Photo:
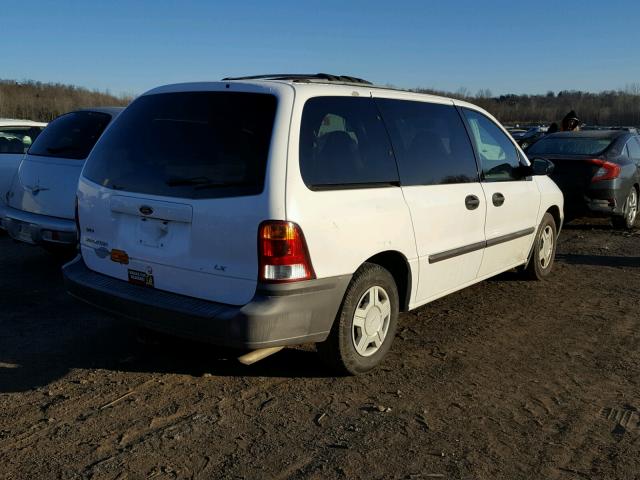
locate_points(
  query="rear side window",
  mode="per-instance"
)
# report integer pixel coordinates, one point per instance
(634, 149)
(17, 139)
(344, 144)
(570, 146)
(72, 135)
(499, 158)
(188, 144)
(430, 142)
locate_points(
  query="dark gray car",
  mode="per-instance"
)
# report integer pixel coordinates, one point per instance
(597, 171)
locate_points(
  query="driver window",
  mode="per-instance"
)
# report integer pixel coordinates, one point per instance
(498, 155)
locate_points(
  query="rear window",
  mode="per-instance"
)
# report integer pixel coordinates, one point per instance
(72, 135)
(17, 139)
(570, 146)
(188, 145)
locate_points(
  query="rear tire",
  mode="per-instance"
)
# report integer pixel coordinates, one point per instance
(544, 250)
(630, 212)
(366, 324)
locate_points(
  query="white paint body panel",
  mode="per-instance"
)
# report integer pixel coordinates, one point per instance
(442, 222)
(518, 212)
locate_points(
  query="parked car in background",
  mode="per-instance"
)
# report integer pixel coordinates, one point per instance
(531, 136)
(597, 170)
(516, 132)
(16, 136)
(41, 199)
(633, 130)
(266, 211)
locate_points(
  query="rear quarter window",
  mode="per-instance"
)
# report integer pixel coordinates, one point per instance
(72, 135)
(344, 144)
(188, 144)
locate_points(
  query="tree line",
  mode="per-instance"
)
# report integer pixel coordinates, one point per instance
(609, 108)
(45, 101)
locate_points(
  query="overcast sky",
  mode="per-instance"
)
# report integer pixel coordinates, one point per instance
(507, 46)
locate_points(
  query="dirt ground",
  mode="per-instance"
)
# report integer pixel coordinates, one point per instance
(504, 380)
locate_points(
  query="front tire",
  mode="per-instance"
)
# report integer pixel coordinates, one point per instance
(544, 250)
(628, 219)
(366, 324)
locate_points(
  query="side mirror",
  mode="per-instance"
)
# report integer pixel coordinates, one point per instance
(542, 166)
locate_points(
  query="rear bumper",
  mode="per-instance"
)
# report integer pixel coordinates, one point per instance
(277, 315)
(594, 202)
(37, 229)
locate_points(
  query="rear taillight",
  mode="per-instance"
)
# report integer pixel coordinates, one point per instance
(607, 170)
(283, 254)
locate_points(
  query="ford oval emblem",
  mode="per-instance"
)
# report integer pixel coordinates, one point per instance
(146, 210)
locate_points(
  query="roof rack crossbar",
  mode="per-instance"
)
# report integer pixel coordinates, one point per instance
(302, 77)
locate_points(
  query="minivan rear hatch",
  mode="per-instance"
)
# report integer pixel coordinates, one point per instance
(172, 195)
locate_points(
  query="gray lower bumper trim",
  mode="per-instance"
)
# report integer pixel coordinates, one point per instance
(39, 228)
(277, 315)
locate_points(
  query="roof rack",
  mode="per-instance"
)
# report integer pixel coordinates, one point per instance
(301, 77)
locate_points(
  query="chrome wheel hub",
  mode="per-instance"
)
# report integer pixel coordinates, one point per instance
(371, 321)
(632, 207)
(546, 247)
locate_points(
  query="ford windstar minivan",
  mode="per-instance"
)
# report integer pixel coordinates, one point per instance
(265, 211)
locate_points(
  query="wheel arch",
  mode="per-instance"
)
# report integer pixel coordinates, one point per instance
(396, 263)
(554, 210)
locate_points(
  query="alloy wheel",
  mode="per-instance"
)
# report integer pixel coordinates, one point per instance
(632, 207)
(546, 247)
(371, 321)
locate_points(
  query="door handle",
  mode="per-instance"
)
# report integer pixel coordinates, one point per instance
(472, 202)
(498, 199)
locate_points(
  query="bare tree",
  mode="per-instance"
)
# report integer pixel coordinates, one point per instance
(45, 101)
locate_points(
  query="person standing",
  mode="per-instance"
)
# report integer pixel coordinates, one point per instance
(570, 122)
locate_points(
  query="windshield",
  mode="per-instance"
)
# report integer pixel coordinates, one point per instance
(187, 144)
(570, 146)
(72, 135)
(17, 139)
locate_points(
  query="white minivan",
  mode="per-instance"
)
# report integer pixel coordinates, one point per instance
(265, 211)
